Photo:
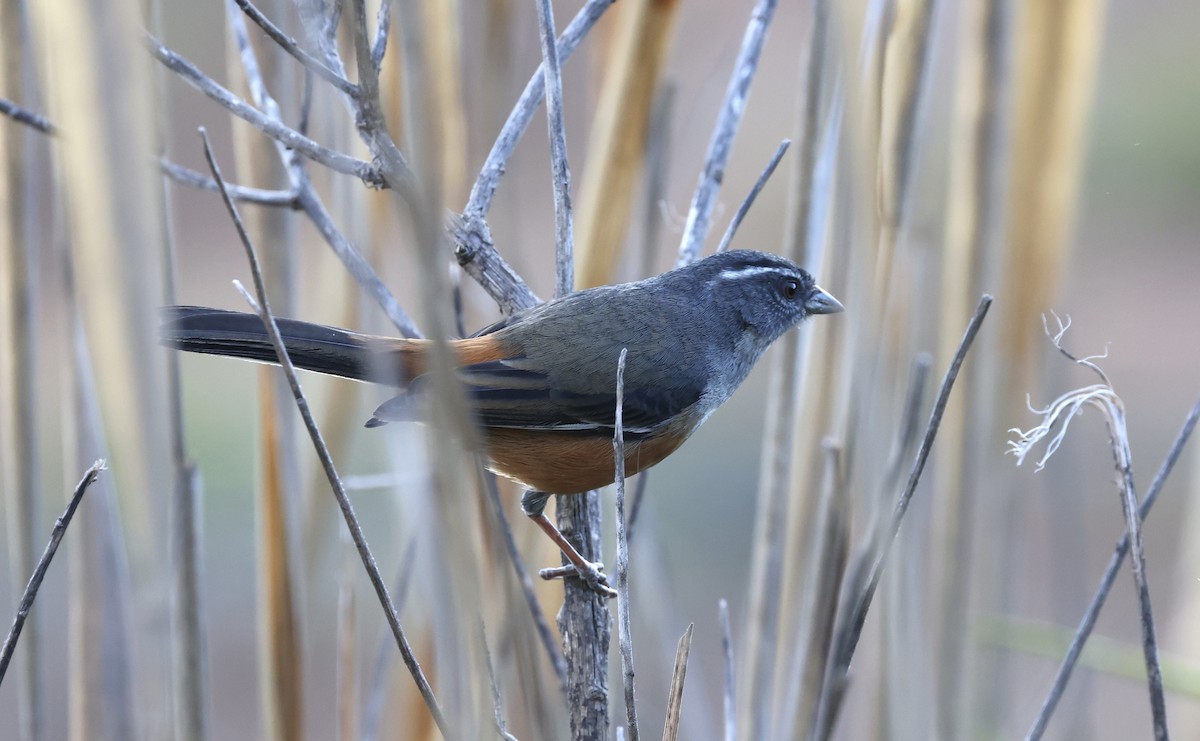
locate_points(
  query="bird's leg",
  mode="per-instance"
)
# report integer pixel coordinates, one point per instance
(533, 504)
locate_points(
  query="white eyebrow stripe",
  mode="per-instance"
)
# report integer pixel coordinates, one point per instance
(735, 273)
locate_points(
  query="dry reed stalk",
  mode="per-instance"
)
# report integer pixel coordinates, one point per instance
(675, 696)
(453, 491)
(618, 137)
(19, 386)
(264, 67)
(1056, 46)
(101, 91)
(775, 512)
(973, 219)
(443, 50)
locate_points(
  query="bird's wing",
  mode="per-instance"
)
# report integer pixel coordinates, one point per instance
(504, 394)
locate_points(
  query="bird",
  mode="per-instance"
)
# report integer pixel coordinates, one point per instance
(541, 383)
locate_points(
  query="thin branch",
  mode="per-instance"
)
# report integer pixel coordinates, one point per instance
(675, 696)
(375, 696)
(553, 652)
(306, 195)
(246, 194)
(355, 263)
(285, 135)
(339, 490)
(289, 45)
(767, 172)
(559, 167)
(27, 117)
(727, 649)
(850, 630)
(383, 26)
(476, 254)
(39, 571)
(639, 494)
(624, 624)
(727, 125)
(493, 168)
(1088, 622)
(497, 707)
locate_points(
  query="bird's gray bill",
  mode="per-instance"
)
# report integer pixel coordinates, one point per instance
(821, 302)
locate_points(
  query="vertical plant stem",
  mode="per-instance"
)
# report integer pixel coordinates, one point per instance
(624, 624)
(1106, 582)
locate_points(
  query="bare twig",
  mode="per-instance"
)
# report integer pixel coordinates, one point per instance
(639, 494)
(549, 643)
(727, 649)
(624, 624)
(851, 623)
(767, 172)
(29, 118)
(497, 707)
(559, 167)
(39, 571)
(1088, 622)
(289, 45)
(377, 691)
(383, 26)
(493, 168)
(477, 256)
(355, 263)
(339, 490)
(675, 696)
(307, 198)
(289, 137)
(246, 194)
(727, 125)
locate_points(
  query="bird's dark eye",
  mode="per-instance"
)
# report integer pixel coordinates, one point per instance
(790, 288)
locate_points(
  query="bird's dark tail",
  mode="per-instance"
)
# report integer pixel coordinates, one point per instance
(313, 347)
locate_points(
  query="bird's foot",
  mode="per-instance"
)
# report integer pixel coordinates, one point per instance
(591, 573)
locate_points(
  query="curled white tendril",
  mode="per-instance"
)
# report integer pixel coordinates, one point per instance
(1057, 416)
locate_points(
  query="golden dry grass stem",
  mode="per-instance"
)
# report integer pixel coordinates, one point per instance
(280, 657)
(443, 50)
(1055, 52)
(678, 676)
(618, 136)
(278, 565)
(104, 198)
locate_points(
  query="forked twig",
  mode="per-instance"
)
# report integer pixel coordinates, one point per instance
(285, 135)
(289, 45)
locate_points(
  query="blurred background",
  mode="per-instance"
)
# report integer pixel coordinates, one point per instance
(1092, 211)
